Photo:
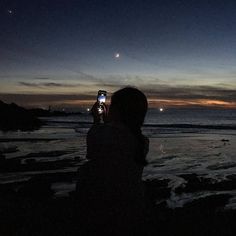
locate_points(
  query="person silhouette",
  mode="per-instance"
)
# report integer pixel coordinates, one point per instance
(110, 190)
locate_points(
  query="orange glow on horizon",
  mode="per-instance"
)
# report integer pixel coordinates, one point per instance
(73, 101)
(188, 103)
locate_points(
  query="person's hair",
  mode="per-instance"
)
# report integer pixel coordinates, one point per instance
(132, 105)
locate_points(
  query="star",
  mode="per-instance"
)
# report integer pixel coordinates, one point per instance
(10, 11)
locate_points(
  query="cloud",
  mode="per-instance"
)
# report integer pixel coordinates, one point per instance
(44, 100)
(154, 87)
(115, 82)
(48, 84)
(163, 94)
(34, 85)
(157, 91)
(190, 92)
(53, 84)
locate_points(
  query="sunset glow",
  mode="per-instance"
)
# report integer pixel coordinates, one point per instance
(178, 54)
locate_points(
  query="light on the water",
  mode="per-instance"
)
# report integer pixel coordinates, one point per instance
(161, 109)
(88, 109)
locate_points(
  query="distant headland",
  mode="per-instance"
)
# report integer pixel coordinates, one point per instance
(14, 117)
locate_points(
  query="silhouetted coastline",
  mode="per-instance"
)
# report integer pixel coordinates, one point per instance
(39, 112)
(14, 117)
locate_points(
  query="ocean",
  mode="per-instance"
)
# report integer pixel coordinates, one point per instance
(182, 142)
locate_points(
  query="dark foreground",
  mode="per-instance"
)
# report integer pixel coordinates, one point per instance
(32, 209)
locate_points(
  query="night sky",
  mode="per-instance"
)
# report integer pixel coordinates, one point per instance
(180, 53)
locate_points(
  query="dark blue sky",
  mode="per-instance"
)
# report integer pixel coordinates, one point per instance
(178, 52)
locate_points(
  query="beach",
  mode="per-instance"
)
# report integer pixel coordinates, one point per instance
(190, 178)
(162, 69)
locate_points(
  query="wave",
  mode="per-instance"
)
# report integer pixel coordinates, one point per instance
(192, 126)
(180, 126)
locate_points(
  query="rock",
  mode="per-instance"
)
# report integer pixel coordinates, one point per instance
(10, 149)
(157, 189)
(30, 161)
(197, 183)
(14, 117)
(224, 140)
(209, 203)
(36, 188)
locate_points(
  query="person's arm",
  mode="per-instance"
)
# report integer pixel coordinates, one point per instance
(93, 133)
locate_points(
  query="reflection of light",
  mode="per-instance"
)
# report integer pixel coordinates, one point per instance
(161, 109)
(88, 109)
(99, 110)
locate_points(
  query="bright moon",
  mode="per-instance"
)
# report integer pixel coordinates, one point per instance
(117, 55)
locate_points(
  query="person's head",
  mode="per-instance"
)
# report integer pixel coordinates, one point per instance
(129, 106)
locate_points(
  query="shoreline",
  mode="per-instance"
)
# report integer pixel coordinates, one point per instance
(190, 178)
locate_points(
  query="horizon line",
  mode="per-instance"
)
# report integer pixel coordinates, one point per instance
(73, 101)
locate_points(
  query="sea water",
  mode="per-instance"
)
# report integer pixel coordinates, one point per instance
(201, 141)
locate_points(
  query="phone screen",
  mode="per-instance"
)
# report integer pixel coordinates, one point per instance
(101, 96)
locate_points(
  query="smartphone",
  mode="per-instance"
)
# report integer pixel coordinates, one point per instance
(101, 98)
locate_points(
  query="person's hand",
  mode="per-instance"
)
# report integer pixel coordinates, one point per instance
(99, 112)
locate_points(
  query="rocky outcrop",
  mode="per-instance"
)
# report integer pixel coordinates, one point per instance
(14, 117)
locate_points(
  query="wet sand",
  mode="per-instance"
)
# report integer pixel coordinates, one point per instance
(190, 183)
